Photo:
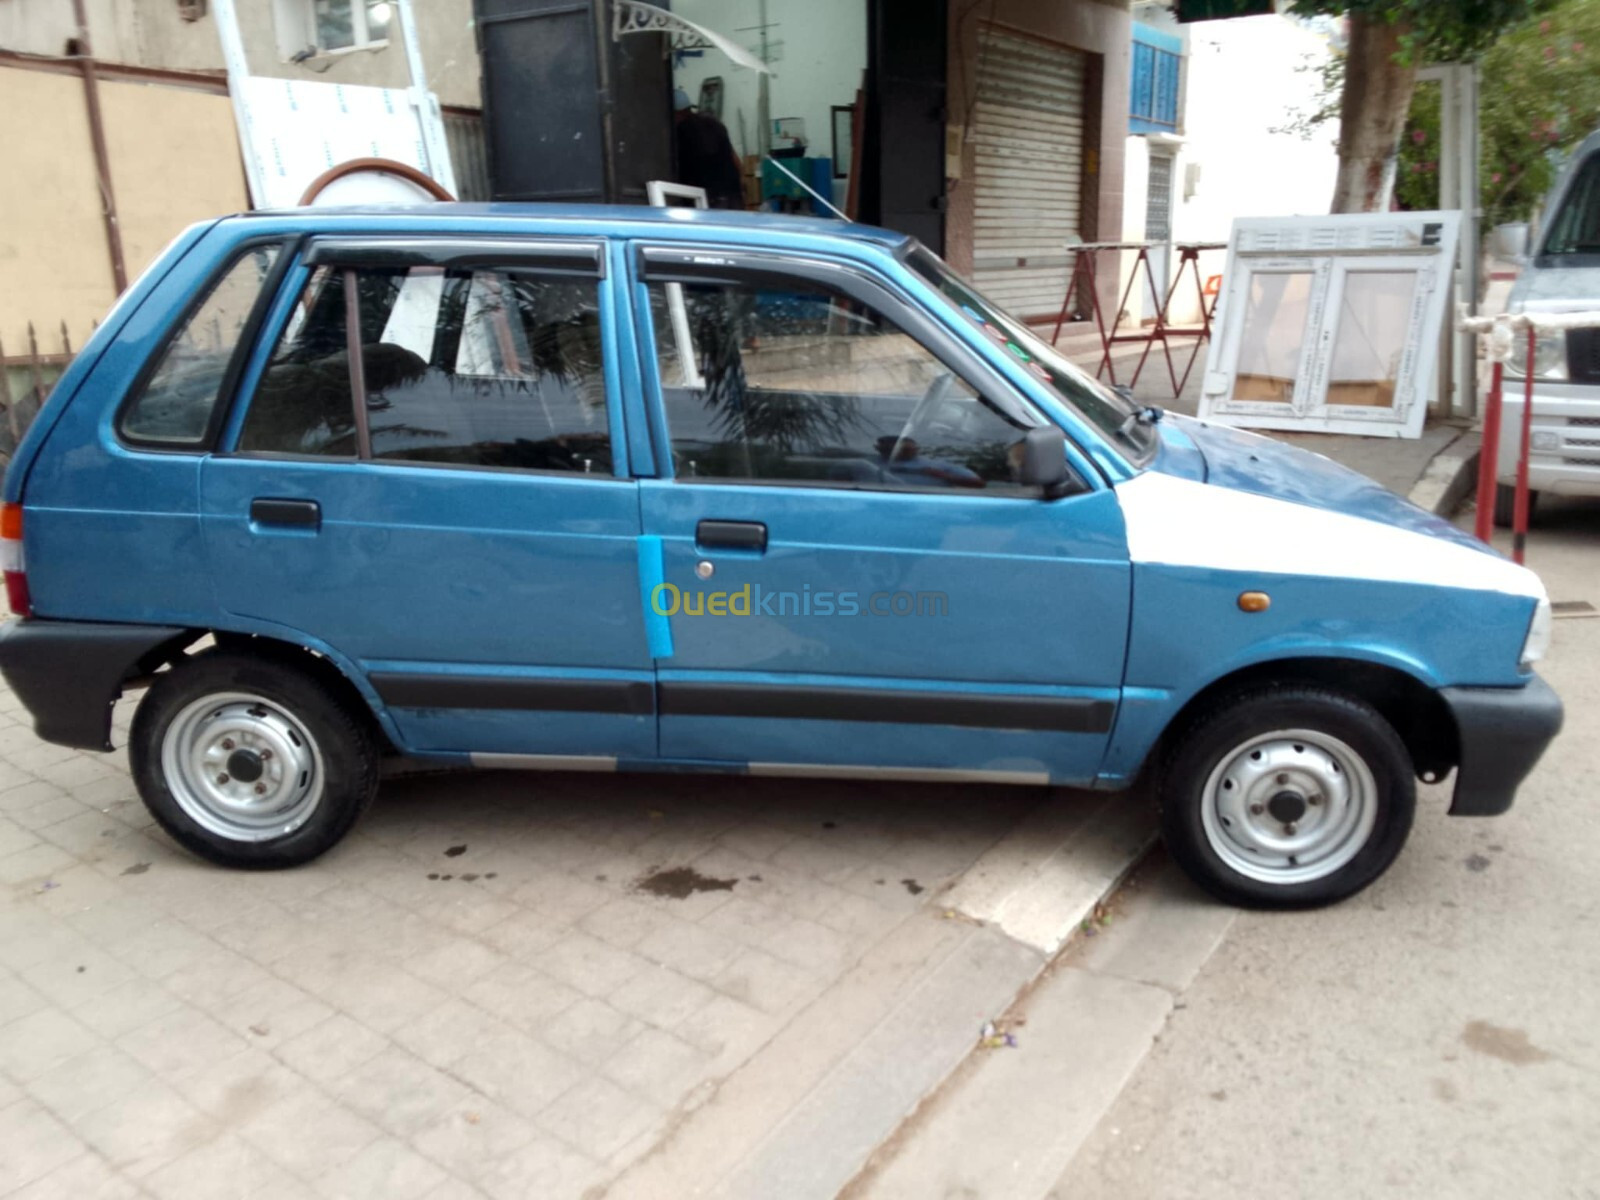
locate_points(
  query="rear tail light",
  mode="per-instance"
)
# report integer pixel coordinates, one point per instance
(11, 561)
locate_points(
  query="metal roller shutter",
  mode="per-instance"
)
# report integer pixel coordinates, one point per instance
(1028, 141)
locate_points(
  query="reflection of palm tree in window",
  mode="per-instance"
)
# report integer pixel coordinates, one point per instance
(780, 423)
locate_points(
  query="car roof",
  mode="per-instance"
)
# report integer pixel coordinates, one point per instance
(601, 217)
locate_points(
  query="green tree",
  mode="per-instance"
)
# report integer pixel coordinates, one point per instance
(1539, 97)
(1389, 41)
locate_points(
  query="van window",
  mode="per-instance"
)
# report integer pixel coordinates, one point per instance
(177, 404)
(464, 367)
(1576, 228)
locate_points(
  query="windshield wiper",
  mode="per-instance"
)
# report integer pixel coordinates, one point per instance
(1147, 416)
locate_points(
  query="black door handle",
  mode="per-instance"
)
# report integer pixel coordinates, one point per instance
(731, 535)
(302, 514)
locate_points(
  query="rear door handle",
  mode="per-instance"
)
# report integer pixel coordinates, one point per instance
(296, 514)
(731, 535)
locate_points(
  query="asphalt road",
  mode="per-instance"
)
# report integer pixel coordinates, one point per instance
(1436, 1036)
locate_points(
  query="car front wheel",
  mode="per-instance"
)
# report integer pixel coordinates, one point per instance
(250, 762)
(1287, 797)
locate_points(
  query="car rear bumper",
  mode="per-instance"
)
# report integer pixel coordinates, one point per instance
(69, 673)
(1502, 732)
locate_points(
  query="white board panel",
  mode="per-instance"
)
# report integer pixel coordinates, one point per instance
(296, 129)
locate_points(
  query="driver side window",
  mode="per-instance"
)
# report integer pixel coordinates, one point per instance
(798, 383)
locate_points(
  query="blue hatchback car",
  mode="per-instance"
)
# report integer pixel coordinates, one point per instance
(643, 489)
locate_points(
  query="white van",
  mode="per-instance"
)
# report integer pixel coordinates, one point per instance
(1561, 275)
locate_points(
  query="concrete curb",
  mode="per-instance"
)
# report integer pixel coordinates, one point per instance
(805, 1115)
(1008, 1122)
(1450, 477)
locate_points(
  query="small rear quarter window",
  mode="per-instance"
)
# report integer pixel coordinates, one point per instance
(176, 405)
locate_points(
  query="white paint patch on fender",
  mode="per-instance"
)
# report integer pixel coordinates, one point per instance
(1182, 523)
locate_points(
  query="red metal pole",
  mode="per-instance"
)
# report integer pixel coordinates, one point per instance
(1519, 536)
(1489, 455)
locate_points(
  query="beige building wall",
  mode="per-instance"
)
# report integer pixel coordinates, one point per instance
(54, 265)
(152, 33)
(163, 184)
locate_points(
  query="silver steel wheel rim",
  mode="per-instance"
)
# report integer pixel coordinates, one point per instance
(242, 767)
(1290, 806)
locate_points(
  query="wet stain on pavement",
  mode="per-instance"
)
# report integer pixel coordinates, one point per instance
(1477, 862)
(679, 883)
(1506, 1044)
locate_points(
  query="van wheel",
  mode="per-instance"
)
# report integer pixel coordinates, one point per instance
(1505, 505)
(249, 762)
(1287, 796)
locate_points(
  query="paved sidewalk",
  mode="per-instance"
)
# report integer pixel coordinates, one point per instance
(472, 996)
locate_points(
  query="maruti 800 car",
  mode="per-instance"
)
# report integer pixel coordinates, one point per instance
(645, 489)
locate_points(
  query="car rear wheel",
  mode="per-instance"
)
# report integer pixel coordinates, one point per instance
(250, 762)
(1287, 797)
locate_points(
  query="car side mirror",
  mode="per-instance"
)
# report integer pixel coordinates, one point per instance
(1044, 462)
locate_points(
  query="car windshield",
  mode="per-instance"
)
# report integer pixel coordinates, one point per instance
(1575, 229)
(1119, 419)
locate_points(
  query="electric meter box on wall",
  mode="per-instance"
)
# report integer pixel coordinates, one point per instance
(663, 489)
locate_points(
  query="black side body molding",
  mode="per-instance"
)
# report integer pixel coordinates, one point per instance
(407, 690)
(1502, 733)
(1062, 714)
(69, 673)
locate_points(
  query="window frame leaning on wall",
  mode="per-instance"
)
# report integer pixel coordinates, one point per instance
(1332, 251)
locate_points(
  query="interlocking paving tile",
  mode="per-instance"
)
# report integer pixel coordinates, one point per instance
(527, 1027)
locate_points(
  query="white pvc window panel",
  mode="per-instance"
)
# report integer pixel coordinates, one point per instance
(1331, 324)
(1028, 146)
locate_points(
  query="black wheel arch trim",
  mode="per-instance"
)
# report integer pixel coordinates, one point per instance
(68, 674)
(1503, 733)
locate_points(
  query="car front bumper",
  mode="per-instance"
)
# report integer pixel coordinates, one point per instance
(1501, 733)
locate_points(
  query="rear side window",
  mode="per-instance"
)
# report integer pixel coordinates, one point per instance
(480, 367)
(178, 402)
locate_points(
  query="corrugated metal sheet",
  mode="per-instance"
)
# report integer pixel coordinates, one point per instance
(1028, 143)
(463, 133)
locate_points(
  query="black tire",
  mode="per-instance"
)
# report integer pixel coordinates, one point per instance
(1222, 734)
(1505, 505)
(339, 736)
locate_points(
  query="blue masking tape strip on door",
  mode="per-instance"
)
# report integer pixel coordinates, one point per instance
(652, 574)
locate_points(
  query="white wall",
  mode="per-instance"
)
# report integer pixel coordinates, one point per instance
(818, 65)
(1244, 77)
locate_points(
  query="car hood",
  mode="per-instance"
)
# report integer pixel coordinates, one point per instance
(1232, 504)
(1263, 466)
(1556, 289)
